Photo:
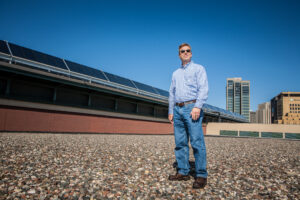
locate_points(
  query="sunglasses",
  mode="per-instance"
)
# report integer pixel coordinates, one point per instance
(183, 51)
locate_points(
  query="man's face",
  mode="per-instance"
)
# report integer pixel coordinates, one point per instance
(185, 54)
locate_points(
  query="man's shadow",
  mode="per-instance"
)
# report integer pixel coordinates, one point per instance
(192, 168)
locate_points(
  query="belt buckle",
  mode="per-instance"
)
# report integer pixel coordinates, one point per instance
(181, 104)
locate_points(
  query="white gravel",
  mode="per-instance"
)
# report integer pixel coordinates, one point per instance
(81, 166)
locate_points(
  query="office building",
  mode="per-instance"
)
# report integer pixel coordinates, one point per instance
(238, 96)
(253, 117)
(263, 113)
(285, 108)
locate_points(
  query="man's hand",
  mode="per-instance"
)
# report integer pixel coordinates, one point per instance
(171, 118)
(195, 113)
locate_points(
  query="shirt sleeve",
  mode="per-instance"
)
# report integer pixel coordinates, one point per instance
(202, 88)
(172, 95)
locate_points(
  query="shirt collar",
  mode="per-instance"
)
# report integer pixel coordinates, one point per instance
(186, 65)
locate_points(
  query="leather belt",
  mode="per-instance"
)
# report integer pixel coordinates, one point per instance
(184, 103)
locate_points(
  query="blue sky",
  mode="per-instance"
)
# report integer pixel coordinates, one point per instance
(257, 40)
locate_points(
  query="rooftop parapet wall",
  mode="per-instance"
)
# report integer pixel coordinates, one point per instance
(13, 119)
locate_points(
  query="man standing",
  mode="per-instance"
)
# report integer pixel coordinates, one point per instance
(188, 92)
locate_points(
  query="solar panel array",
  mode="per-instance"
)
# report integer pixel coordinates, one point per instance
(54, 64)
(223, 112)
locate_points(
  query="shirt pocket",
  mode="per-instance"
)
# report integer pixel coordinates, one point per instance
(190, 80)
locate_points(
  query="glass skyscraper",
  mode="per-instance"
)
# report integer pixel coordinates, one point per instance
(238, 96)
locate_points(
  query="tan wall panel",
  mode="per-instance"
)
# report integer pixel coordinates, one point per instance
(214, 128)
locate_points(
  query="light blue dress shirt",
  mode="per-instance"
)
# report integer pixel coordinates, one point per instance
(189, 82)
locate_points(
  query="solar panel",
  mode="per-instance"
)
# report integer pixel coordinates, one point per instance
(3, 47)
(162, 92)
(119, 80)
(82, 69)
(144, 87)
(36, 56)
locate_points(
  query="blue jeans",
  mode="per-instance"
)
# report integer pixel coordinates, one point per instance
(185, 129)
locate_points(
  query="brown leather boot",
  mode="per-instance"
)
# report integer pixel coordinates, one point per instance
(199, 183)
(179, 177)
